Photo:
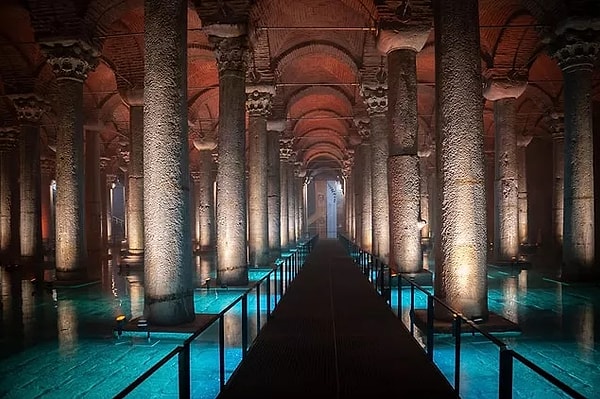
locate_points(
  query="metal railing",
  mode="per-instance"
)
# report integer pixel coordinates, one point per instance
(283, 273)
(380, 274)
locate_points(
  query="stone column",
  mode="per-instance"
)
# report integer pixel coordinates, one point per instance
(71, 61)
(461, 275)
(301, 208)
(401, 48)
(576, 49)
(93, 202)
(366, 198)
(284, 156)
(135, 176)
(104, 201)
(231, 50)
(375, 97)
(292, 197)
(30, 109)
(503, 89)
(522, 143)
(358, 188)
(205, 206)
(48, 227)
(110, 179)
(274, 131)
(258, 105)
(9, 196)
(557, 130)
(168, 268)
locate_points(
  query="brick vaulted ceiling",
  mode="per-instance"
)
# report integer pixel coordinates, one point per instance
(315, 52)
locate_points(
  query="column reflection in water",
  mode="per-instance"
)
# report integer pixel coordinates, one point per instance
(67, 327)
(205, 268)
(12, 309)
(510, 294)
(585, 334)
(136, 292)
(233, 327)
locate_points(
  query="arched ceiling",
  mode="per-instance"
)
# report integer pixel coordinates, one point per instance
(315, 52)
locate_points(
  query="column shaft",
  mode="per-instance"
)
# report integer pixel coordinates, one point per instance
(30, 199)
(285, 234)
(168, 270)
(205, 209)
(558, 171)
(93, 205)
(366, 199)
(9, 197)
(379, 182)
(274, 193)
(292, 196)
(135, 179)
(522, 194)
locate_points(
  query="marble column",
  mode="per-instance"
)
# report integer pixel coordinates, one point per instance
(93, 202)
(104, 201)
(556, 125)
(168, 268)
(401, 48)
(258, 105)
(71, 61)
(9, 195)
(231, 49)
(357, 173)
(292, 198)
(30, 109)
(204, 194)
(503, 89)
(301, 208)
(461, 273)
(576, 49)
(375, 97)
(274, 131)
(284, 156)
(366, 198)
(522, 143)
(47, 167)
(134, 98)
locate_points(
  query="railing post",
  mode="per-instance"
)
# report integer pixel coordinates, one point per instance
(506, 374)
(399, 295)
(222, 350)
(430, 327)
(457, 333)
(184, 372)
(268, 296)
(412, 309)
(244, 325)
(257, 308)
(281, 279)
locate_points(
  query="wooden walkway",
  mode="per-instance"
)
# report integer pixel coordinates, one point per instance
(332, 336)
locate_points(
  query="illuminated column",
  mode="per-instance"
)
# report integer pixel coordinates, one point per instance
(366, 199)
(401, 48)
(461, 276)
(104, 201)
(168, 268)
(204, 194)
(93, 201)
(284, 155)
(503, 90)
(576, 49)
(71, 61)
(299, 175)
(135, 176)
(9, 226)
(231, 50)
(274, 130)
(557, 129)
(292, 197)
(30, 109)
(375, 97)
(110, 179)
(47, 175)
(258, 105)
(358, 188)
(522, 143)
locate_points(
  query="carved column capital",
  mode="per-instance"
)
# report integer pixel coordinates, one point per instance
(575, 43)
(499, 84)
(364, 130)
(259, 100)
(9, 138)
(414, 39)
(71, 59)
(523, 140)
(375, 97)
(285, 148)
(104, 163)
(29, 107)
(231, 52)
(556, 124)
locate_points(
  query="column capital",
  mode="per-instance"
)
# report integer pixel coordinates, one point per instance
(133, 97)
(231, 52)
(104, 162)
(204, 144)
(375, 97)
(258, 100)
(556, 124)
(414, 39)
(285, 148)
(499, 83)
(575, 43)
(29, 107)
(71, 59)
(9, 139)
(364, 130)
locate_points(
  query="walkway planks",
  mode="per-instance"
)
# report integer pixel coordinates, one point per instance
(332, 336)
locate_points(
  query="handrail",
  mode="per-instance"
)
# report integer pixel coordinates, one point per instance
(506, 354)
(291, 263)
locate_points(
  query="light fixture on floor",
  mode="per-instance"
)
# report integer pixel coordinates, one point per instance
(121, 320)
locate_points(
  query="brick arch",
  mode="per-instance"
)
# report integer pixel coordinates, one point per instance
(515, 46)
(102, 14)
(320, 133)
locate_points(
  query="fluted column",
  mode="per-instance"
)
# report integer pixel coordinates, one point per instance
(135, 176)
(576, 49)
(274, 130)
(71, 61)
(375, 97)
(503, 88)
(284, 155)
(366, 198)
(231, 51)
(461, 275)
(30, 109)
(258, 105)
(48, 225)
(557, 130)
(522, 143)
(9, 195)
(168, 269)
(204, 194)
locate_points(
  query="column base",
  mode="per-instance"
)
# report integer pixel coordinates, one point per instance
(73, 277)
(422, 277)
(494, 323)
(133, 258)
